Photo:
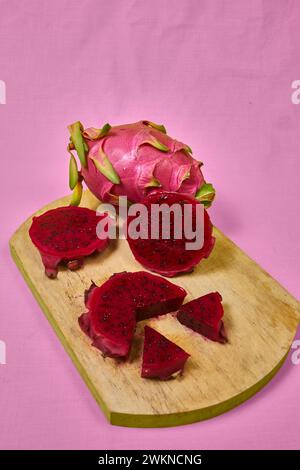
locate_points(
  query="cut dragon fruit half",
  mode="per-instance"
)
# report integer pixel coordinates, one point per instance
(162, 358)
(66, 235)
(204, 315)
(116, 306)
(170, 257)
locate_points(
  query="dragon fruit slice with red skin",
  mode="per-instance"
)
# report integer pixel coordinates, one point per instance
(66, 235)
(162, 359)
(204, 315)
(116, 306)
(133, 159)
(169, 257)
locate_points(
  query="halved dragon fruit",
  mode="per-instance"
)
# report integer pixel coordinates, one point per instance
(162, 358)
(131, 160)
(204, 315)
(170, 257)
(116, 306)
(66, 235)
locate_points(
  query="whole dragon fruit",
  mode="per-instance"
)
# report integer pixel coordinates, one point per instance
(66, 235)
(131, 160)
(116, 306)
(204, 315)
(162, 359)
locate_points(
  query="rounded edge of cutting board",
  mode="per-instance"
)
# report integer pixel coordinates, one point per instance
(192, 416)
(64, 341)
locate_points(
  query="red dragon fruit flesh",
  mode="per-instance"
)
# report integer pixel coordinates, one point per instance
(131, 160)
(204, 315)
(170, 257)
(116, 306)
(162, 358)
(66, 235)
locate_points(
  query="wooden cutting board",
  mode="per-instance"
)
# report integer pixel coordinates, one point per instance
(261, 319)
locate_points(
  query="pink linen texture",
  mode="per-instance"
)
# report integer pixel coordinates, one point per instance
(219, 75)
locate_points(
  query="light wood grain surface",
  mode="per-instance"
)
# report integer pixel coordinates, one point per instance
(261, 319)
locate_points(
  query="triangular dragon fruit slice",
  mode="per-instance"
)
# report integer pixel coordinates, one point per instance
(169, 257)
(204, 315)
(162, 358)
(66, 235)
(116, 306)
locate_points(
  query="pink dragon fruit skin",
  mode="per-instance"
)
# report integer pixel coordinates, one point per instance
(141, 157)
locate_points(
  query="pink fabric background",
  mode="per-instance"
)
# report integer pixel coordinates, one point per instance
(218, 74)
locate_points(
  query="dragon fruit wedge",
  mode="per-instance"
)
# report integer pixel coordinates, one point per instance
(116, 306)
(131, 160)
(204, 315)
(169, 257)
(66, 235)
(162, 358)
